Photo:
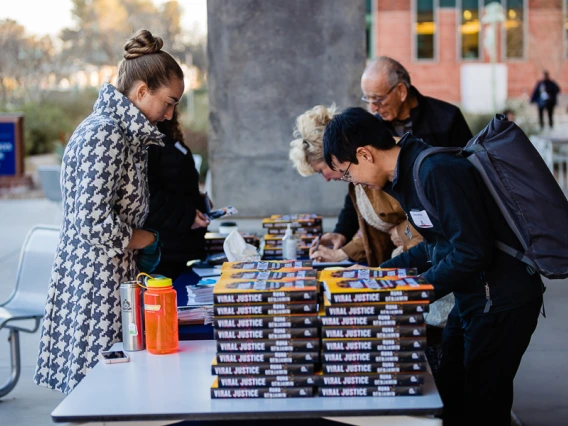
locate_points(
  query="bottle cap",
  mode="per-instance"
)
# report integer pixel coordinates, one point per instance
(159, 282)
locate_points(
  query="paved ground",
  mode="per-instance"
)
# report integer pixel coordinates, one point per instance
(540, 390)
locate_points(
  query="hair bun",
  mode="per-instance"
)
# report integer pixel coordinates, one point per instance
(142, 43)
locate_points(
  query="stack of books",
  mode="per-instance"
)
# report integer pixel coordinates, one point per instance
(306, 227)
(214, 241)
(266, 328)
(373, 332)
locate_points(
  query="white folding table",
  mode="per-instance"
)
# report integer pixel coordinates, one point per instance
(161, 389)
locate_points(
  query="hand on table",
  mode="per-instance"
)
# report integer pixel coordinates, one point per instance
(326, 254)
(330, 239)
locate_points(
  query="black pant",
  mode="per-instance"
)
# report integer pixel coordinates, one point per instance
(550, 110)
(481, 356)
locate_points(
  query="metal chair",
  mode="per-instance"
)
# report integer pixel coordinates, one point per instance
(27, 301)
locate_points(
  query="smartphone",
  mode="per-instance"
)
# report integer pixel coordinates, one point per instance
(225, 211)
(113, 357)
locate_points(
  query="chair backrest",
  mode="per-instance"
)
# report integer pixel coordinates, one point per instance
(34, 269)
(50, 176)
(198, 160)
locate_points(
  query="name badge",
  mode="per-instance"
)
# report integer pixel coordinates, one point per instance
(421, 219)
(181, 148)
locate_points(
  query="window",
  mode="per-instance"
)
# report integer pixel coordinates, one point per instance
(369, 27)
(566, 28)
(514, 28)
(425, 29)
(470, 29)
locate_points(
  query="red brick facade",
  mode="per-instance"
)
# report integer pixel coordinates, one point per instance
(440, 77)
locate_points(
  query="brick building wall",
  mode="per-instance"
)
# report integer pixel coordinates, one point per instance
(440, 77)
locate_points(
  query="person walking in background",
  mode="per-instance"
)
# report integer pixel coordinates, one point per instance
(176, 205)
(544, 95)
(105, 204)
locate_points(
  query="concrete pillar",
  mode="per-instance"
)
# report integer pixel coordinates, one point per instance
(269, 61)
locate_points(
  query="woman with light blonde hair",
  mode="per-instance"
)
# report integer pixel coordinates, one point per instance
(306, 151)
(379, 216)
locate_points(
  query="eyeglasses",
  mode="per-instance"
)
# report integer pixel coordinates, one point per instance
(378, 100)
(347, 176)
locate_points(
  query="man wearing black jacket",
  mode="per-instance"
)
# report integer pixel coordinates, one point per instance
(388, 92)
(497, 298)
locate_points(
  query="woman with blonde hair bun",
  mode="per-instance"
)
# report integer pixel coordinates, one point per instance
(383, 231)
(105, 203)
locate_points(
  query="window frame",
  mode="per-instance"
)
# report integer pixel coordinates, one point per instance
(414, 48)
(374, 34)
(459, 16)
(564, 29)
(504, 57)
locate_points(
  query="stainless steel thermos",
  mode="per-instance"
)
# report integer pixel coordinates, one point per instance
(132, 316)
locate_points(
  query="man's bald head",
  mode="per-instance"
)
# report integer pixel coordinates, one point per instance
(386, 67)
(386, 87)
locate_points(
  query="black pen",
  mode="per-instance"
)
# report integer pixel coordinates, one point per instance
(318, 243)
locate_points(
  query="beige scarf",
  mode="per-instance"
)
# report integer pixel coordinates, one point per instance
(368, 212)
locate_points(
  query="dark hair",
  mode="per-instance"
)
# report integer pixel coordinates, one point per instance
(145, 61)
(172, 128)
(354, 128)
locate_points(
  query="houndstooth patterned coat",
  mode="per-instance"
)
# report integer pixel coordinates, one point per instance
(105, 197)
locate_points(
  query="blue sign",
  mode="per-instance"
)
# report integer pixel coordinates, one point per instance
(7, 149)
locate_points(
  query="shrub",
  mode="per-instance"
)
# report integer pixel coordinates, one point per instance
(44, 126)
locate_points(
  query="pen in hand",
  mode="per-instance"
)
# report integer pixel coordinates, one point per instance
(317, 243)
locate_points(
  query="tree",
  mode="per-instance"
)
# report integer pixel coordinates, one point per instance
(11, 41)
(27, 63)
(102, 27)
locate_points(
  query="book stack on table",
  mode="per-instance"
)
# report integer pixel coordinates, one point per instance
(266, 328)
(306, 227)
(373, 332)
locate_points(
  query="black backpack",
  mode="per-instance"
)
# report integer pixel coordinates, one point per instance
(525, 190)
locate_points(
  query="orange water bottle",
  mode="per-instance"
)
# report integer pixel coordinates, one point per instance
(160, 316)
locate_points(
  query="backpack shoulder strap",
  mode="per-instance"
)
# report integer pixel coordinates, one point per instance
(416, 175)
(434, 214)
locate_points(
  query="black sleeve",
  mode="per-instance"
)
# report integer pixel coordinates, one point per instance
(535, 94)
(456, 194)
(415, 257)
(173, 212)
(347, 222)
